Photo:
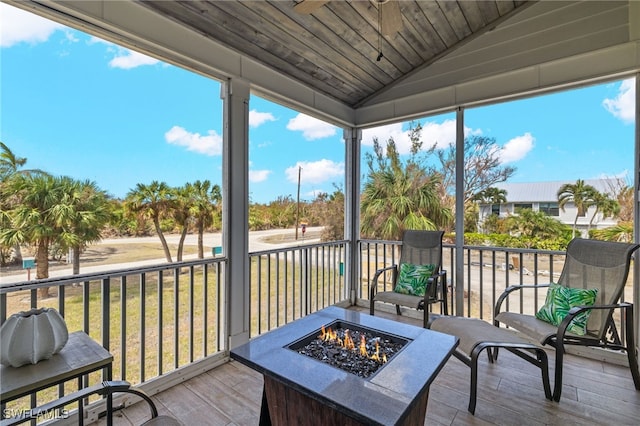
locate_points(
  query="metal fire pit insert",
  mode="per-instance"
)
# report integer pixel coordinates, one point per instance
(300, 390)
(350, 360)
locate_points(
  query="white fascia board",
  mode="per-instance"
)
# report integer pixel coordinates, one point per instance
(131, 25)
(598, 66)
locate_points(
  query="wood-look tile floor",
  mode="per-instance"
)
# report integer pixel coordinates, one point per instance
(509, 393)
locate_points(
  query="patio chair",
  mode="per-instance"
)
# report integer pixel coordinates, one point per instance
(589, 265)
(420, 248)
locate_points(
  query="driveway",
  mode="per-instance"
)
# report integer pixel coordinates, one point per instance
(258, 241)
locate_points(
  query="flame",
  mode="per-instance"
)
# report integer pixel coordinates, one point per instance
(331, 336)
(348, 341)
(363, 346)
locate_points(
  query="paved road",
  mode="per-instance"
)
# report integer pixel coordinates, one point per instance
(258, 241)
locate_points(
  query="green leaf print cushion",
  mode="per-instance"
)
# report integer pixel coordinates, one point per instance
(413, 279)
(560, 300)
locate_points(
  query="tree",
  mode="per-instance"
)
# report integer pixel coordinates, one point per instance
(11, 167)
(491, 195)
(582, 196)
(31, 221)
(399, 196)
(152, 201)
(206, 199)
(623, 194)
(605, 205)
(622, 232)
(333, 215)
(181, 214)
(535, 224)
(83, 213)
(483, 167)
(45, 215)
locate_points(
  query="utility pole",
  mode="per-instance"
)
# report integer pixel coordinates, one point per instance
(298, 203)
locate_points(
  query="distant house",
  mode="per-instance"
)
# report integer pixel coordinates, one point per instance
(543, 196)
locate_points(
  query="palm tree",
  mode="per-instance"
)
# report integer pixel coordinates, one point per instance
(605, 205)
(491, 195)
(400, 196)
(623, 232)
(83, 213)
(40, 218)
(153, 202)
(11, 164)
(580, 194)
(10, 167)
(206, 204)
(535, 224)
(181, 213)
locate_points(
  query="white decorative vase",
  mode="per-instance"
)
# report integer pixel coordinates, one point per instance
(31, 336)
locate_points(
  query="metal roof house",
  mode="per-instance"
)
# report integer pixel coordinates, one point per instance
(543, 196)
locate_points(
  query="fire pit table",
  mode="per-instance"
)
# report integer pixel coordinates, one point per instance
(303, 390)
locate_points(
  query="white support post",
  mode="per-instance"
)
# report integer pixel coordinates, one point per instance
(636, 217)
(235, 218)
(352, 138)
(459, 282)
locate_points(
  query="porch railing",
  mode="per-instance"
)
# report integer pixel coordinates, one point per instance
(154, 320)
(287, 284)
(488, 271)
(161, 319)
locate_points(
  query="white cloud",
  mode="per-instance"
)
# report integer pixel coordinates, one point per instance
(258, 175)
(622, 106)
(210, 144)
(517, 148)
(18, 26)
(311, 128)
(127, 59)
(124, 58)
(384, 133)
(315, 172)
(259, 118)
(441, 134)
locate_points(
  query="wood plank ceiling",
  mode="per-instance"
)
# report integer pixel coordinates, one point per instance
(335, 48)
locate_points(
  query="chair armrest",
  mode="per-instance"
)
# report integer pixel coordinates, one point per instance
(439, 276)
(373, 288)
(573, 312)
(507, 292)
(103, 389)
(33, 413)
(577, 309)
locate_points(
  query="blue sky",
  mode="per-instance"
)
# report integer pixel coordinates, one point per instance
(79, 106)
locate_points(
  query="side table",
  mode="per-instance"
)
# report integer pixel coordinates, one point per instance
(80, 356)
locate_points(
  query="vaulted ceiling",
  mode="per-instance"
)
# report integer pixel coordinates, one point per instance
(335, 47)
(323, 57)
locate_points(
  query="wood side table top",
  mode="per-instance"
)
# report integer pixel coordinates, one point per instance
(81, 355)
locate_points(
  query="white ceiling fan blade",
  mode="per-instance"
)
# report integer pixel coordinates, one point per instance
(307, 7)
(391, 17)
